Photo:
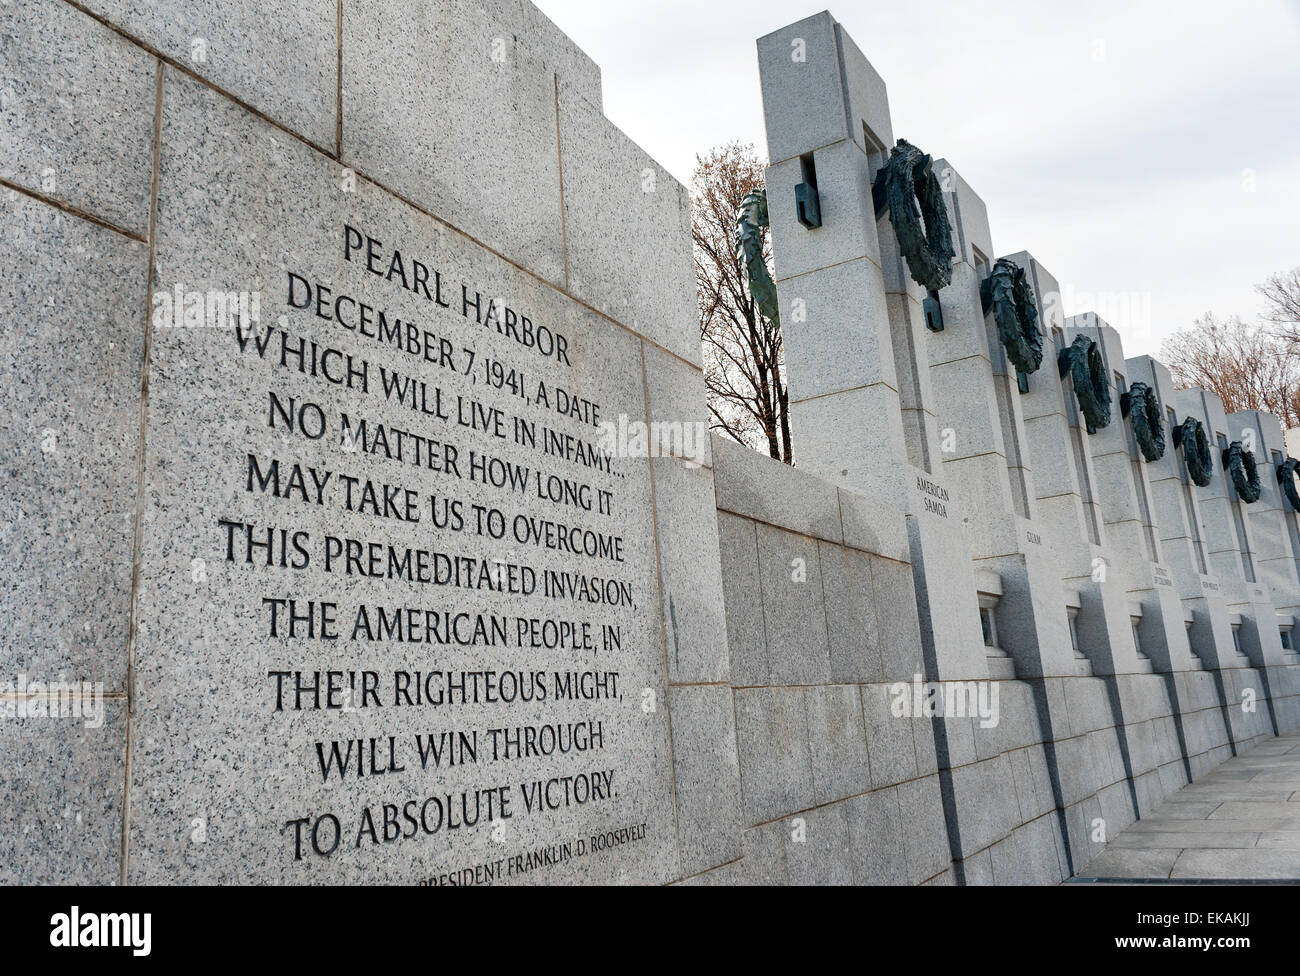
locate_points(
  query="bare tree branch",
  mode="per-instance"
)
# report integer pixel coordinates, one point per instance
(1248, 367)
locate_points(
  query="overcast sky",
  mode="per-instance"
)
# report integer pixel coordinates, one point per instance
(1147, 153)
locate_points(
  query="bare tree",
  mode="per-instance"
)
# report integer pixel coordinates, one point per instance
(1282, 294)
(743, 362)
(1249, 367)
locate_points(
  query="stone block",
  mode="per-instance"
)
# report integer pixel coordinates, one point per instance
(850, 615)
(63, 777)
(889, 738)
(419, 83)
(288, 70)
(746, 631)
(984, 796)
(837, 740)
(926, 839)
(764, 860)
(876, 828)
(678, 406)
(835, 327)
(900, 637)
(873, 526)
(540, 34)
(866, 97)
(977, 870)
(790, 575)
(764, 489)
(843, 438)
(243, 207)
(638, 270)
(848, 229)
(1033, 782)
(707, 776)
(694, 618)
(775, 763)
(79, 109)
(799, 74)
(72, 437)
(815, 847)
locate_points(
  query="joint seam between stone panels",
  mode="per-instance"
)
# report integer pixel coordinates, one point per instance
(981, 454)
(700, 684)
(762, 613)
(969, 356)
(1003, 555)
(740, 772)
(821, 583)
(710, 870)
(184, 69)
(72, 210)
(791, 686)
(839, 507)
(827, 145)
(133, 634)
(662, 628)
(862, 712)
(1060, 494)
(796, 532)
(837, 264)
(842, 799)
(682, 457)
(338, 107)
(849, 389)
(1046, 414)
(837, 38)
(559, 157)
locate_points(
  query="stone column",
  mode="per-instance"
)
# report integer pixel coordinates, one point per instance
(1103, 719)
(983, 445)
(864, 405)
(982, 442)
(1064, 483)
(860, 406)
(844, 404)
(1230, 554)
(1272, 519)
(1274, 530)
(1148, 694)
(1176, 514)
(1124, 495)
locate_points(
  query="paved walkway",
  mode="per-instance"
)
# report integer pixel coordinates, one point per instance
(1239, 822)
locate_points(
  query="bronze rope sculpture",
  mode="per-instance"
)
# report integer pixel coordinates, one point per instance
(751, 219)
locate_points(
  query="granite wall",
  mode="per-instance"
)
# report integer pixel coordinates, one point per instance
(362, 524)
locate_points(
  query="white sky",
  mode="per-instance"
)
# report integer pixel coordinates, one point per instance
(1114, 141)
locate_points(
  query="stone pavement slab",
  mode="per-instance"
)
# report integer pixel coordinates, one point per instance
(1240, 822)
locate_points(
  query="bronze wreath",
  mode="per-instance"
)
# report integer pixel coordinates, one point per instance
(1006, 290)
(1143, 411)
(1286, 478)
(1082, 360)
(905, 181)
(1245, 473)
(1190, 434)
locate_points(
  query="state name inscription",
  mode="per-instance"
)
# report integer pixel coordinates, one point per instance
(483, 492)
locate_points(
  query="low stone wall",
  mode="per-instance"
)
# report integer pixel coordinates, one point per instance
(821, 621)
(834, 788)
